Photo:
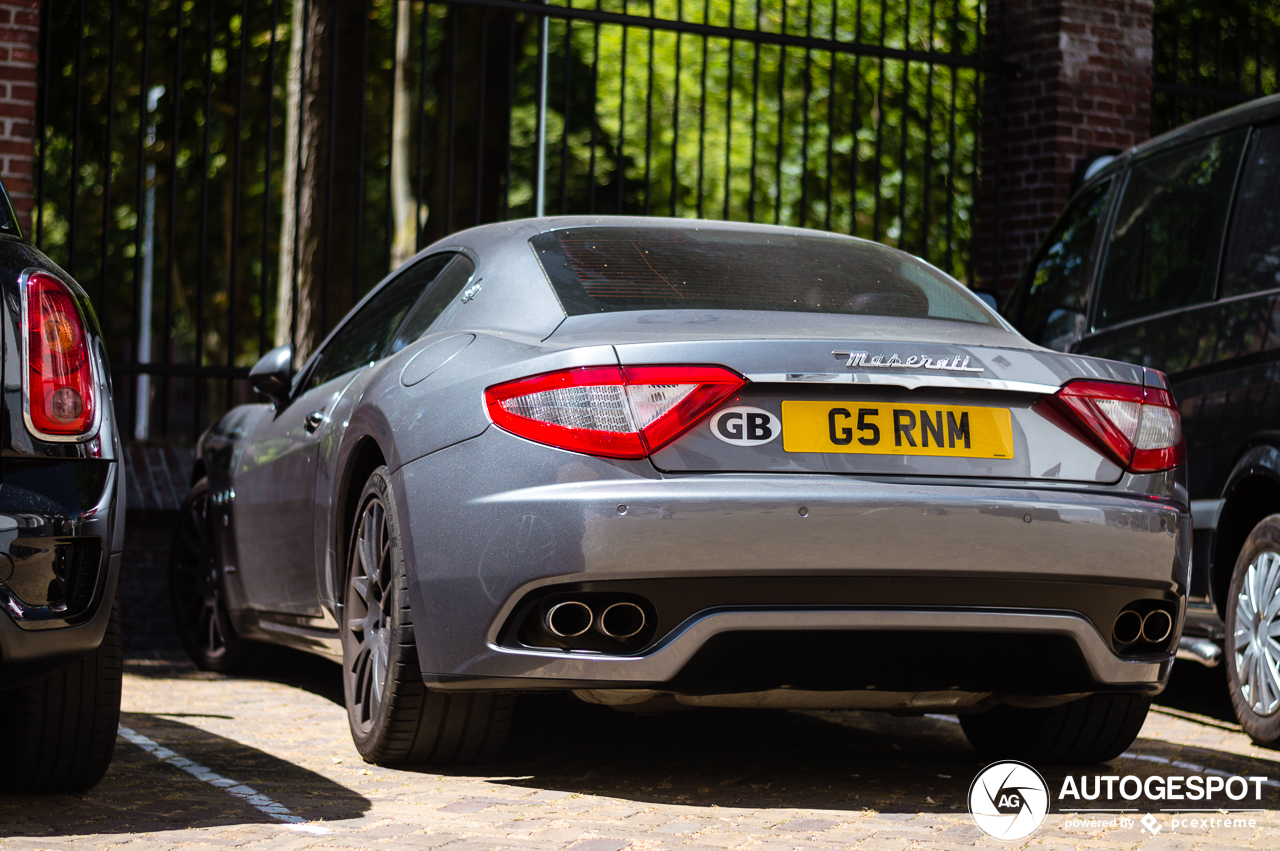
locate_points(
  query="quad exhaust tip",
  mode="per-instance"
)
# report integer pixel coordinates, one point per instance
(1131, 627)
(1127, 628)
(569, 619)
(622, 620)
(1156, 626)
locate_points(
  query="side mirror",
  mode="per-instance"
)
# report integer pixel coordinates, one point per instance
(273, 375)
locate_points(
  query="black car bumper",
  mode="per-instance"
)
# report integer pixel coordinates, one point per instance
(61, 531)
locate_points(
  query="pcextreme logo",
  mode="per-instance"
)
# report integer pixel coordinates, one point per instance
(1008, 800)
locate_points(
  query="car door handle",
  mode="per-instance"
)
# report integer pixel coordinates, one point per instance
(313, 421)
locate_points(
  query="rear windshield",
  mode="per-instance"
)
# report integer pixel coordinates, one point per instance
(604, 269)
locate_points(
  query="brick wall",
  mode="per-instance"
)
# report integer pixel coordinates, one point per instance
(1084, 89)
(19, 36)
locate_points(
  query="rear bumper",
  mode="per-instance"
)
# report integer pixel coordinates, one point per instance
(503, 536)
(61, 525)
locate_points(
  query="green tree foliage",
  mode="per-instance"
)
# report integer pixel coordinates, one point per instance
(1224, 51)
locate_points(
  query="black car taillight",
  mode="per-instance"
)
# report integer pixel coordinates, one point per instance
(61, 400)
(612, 411)
(1137, 426)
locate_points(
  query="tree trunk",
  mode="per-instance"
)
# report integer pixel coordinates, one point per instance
(317, 257)
(404, 207)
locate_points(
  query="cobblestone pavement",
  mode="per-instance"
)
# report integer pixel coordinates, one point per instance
(208, 761)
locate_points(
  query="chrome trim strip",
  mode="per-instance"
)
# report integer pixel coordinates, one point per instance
(98, 382)
(911, 382)
(669, 657)
(1205, 512)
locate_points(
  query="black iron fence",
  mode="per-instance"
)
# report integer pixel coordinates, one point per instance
(1212, 54)
(222, 175)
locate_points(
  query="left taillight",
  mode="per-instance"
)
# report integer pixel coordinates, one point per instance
(1137, 426)
(60, 387)
(611, 411)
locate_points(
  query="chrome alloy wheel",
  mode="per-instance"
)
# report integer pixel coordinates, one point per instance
(1257, 635)
(368, 616)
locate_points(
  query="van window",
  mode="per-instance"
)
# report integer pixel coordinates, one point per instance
(1049, 306)
(1167, 237)
(1253, 249)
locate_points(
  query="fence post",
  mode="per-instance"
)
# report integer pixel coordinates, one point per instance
(19, 35)
(1084, 88)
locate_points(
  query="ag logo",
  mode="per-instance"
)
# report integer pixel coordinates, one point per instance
(743, 426)
(1008, 800)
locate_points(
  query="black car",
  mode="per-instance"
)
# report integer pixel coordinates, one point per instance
(61, 528)
(1169, 257)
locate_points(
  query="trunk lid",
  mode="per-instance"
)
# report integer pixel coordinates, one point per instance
(896, 399)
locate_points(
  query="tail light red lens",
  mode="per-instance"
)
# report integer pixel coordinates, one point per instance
(612, 411)
(1137, 426)
(59, 370)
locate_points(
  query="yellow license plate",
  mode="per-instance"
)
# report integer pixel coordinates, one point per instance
(877, 428)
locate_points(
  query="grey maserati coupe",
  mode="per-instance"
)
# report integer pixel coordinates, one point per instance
(668, 463)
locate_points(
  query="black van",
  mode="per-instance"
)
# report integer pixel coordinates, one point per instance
(1169, 257)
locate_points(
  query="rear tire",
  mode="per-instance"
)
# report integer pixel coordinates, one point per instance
(60, 731)
(195, 589)
(394, 718)
(1092, 729)
(1253, 622)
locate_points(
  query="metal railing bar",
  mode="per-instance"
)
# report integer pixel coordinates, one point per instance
(832, 118)
(675, 119)
(782, 120)
(389, 216)
(358, 235)
(331, 166)
(143, 225)
(595, 118)
(453, 123)
(264, 276)
(806, 88)
(75, 151)
(565, 112)
(620, 174)
(1180, 89)
(42, 95)
(904, 130)
(728, 114)
(735, 33)
(511, 88)
(422, 126)
(237, 178)
(171, 254)
(702, 112)
(107, 158)
(484, 65)
(648, 125)
(205, 163)
(755, 119)
(880, 111)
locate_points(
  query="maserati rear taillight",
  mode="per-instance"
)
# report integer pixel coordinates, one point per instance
(59, 370)
(1137, 426)
(612, 411)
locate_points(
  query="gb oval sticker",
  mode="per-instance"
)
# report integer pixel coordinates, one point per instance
(743, 426)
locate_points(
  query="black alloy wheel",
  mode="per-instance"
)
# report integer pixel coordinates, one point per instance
(195, 588)
(367, 637)
(395, 719)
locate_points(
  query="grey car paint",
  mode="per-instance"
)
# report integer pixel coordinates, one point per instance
(489, 515)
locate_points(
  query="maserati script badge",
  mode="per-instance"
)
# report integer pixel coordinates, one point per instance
(860, 359)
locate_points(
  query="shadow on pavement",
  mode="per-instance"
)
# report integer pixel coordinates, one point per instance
(141, 793)
(283, 665)
(1195, 688)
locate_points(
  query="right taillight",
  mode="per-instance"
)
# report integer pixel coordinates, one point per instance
(1137, 426)
(60, 387)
